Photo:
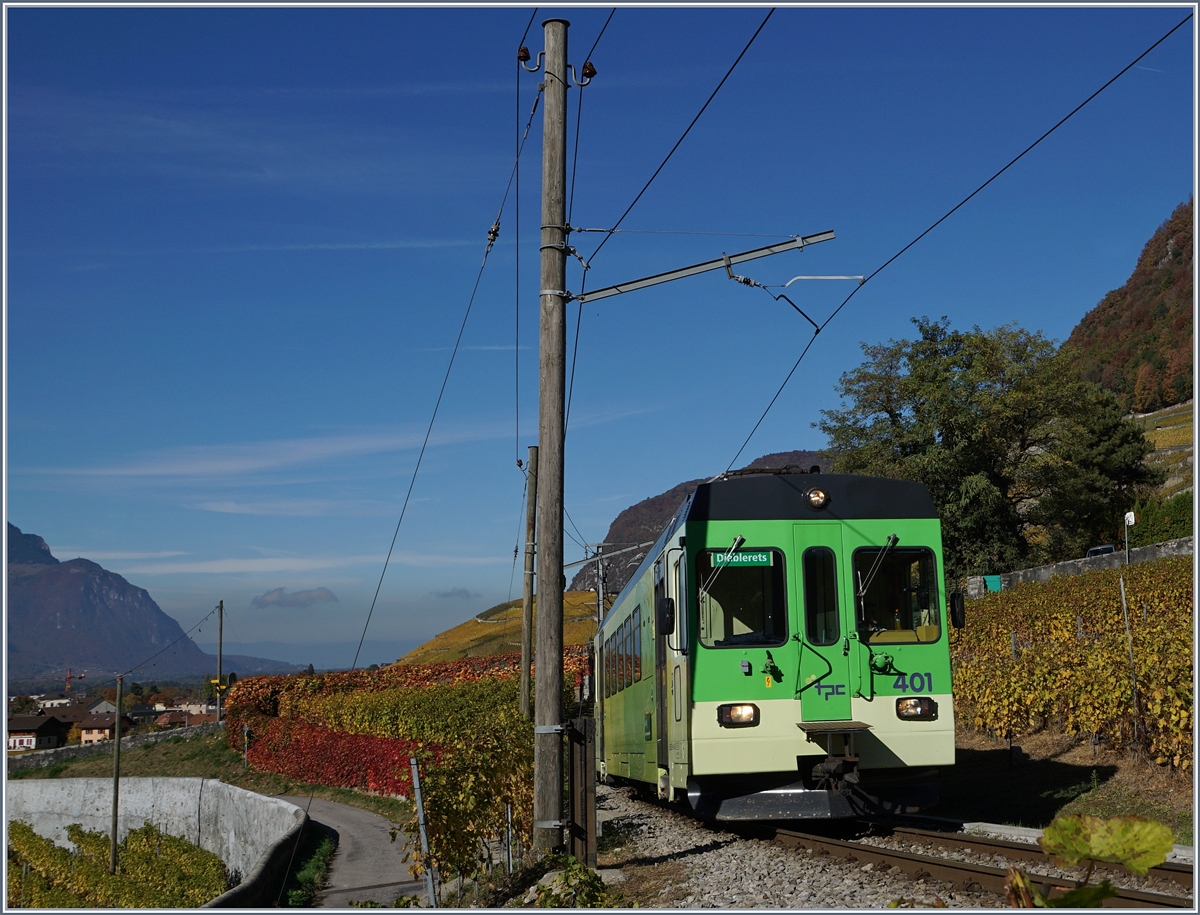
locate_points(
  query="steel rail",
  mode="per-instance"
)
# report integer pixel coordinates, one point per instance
(1179, 873)
(964, 873)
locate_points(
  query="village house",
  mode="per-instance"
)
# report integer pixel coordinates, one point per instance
(36, 732)
(54, 700)
(96, 728)
(180, 718)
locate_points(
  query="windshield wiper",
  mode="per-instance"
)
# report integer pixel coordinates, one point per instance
(862, 588)
(737, 541)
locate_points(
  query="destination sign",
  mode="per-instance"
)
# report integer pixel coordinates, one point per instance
(743, 558)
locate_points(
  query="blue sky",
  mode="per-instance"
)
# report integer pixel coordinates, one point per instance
(240, 243)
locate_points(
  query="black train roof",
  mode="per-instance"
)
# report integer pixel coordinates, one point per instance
(783, 496)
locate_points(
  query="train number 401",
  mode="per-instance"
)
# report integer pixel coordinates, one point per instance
(914, 683)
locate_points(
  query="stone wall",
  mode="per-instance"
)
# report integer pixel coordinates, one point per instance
(40, 758)
(252, 833)
(1181, 547)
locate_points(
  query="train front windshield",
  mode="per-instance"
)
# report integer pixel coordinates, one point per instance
(743, 599)
(901, 599)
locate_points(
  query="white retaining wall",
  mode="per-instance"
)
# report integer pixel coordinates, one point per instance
(241, 827)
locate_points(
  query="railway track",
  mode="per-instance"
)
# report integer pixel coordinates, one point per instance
(978, 876)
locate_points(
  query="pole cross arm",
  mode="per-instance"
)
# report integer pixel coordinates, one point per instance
(720, 263)
(599, 556)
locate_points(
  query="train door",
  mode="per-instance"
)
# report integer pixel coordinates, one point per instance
(680, 692)
(660, 669)
(824, 616)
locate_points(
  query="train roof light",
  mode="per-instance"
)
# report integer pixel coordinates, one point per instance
(817, 498)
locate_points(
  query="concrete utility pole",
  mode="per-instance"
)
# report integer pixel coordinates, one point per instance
(112, 841)
(527, 604)
(220, 646)
(547, 739)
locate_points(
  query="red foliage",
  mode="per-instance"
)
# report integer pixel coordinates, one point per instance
(324, 757)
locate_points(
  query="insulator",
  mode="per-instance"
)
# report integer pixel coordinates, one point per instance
(588, 70)
(522, 54)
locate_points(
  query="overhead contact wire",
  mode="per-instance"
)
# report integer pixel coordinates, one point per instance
(948, 214)
(429, 431)
(678, 142)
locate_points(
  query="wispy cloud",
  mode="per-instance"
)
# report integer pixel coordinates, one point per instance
(259, 565)
(278, 564)
(84, 553)
(244, 141)
(494, 348)
(254, 457)
(387, 245)
(296, 507)
(280, 597)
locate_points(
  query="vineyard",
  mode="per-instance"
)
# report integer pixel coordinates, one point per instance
(154, 870)
(1057, 653)
(358, 729)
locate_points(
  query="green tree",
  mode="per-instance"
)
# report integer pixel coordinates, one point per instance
(1025, 461)
(20, 705)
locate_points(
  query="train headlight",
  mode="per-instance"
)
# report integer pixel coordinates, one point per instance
(817, 498)
(922, 709)
(742, 715)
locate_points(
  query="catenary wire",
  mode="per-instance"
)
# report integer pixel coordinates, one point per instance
(517, 254)
(517, 545)
(583, 281)
(948, 214)
(492, 234)
(580, 540)
(678, 142)
(143, 663)
(579, 117)
(412, 482)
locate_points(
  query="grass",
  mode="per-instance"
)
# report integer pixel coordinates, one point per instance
(497, 631)
(208, 756)
(312, 864)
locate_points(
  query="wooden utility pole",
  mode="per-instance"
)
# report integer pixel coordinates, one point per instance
(599, 585)
(527, 604)
(112, 841)
(220, 647)
(548, 715)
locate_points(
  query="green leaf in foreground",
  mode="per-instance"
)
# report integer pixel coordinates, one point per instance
(1136, 842)
(1084, 897)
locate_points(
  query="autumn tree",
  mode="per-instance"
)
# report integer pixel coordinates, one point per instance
(1026, 462)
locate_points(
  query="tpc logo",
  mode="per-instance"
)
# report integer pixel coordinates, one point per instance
(831, 689)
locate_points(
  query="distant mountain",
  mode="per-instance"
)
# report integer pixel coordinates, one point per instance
(1137, 342)
(645, 521)
(76, 614)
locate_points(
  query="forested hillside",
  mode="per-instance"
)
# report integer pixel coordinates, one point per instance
(1137, 342)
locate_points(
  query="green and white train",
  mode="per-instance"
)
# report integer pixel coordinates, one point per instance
(782, 651)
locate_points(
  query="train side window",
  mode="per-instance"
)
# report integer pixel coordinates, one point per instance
(742, 598)
(623, 649)
(620, 647)
(820, 596)
(629, 652)
(637, 643)
(608, 663)
(901, 603)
